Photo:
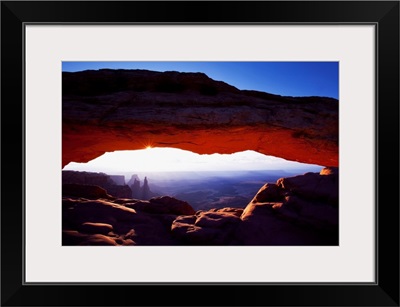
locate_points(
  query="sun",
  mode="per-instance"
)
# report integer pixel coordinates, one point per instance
(148, 147)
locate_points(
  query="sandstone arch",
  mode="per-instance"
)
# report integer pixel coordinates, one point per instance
(110, 110)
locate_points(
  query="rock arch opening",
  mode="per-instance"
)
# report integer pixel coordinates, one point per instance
(204, 180)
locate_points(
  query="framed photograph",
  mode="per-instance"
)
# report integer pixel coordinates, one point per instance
(206, 148)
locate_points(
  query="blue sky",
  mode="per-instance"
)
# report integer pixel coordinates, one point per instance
(281, 78)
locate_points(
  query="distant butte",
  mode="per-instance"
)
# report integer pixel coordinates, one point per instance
(108, 110)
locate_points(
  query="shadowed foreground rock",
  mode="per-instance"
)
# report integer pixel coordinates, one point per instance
(163, 205)
(300, 210)
(119, 224)
(206, 228)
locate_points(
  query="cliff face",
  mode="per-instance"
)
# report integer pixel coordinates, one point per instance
(110, 110)
(114, 185)
(101, 180)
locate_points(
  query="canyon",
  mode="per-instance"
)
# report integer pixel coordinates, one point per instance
(109, 110)
(298, 210)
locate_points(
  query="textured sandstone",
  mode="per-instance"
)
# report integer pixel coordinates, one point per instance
(299, 210)
(110, 110)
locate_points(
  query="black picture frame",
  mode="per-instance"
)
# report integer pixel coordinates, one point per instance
(383, 14)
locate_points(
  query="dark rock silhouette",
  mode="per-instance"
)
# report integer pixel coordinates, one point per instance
(102, 180)
(118, 179)
(145, 190)
(162, 205)
(92, 178)
(120, 191)
(108, 110)
(175, 206)
(84, 190)
(136, 190)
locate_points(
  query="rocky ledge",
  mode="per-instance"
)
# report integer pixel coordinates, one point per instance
(299, 210)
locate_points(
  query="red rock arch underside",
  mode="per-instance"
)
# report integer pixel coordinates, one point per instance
(82, 143)
(200, 115)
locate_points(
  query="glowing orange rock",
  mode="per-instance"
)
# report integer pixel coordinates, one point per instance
(191, 112)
